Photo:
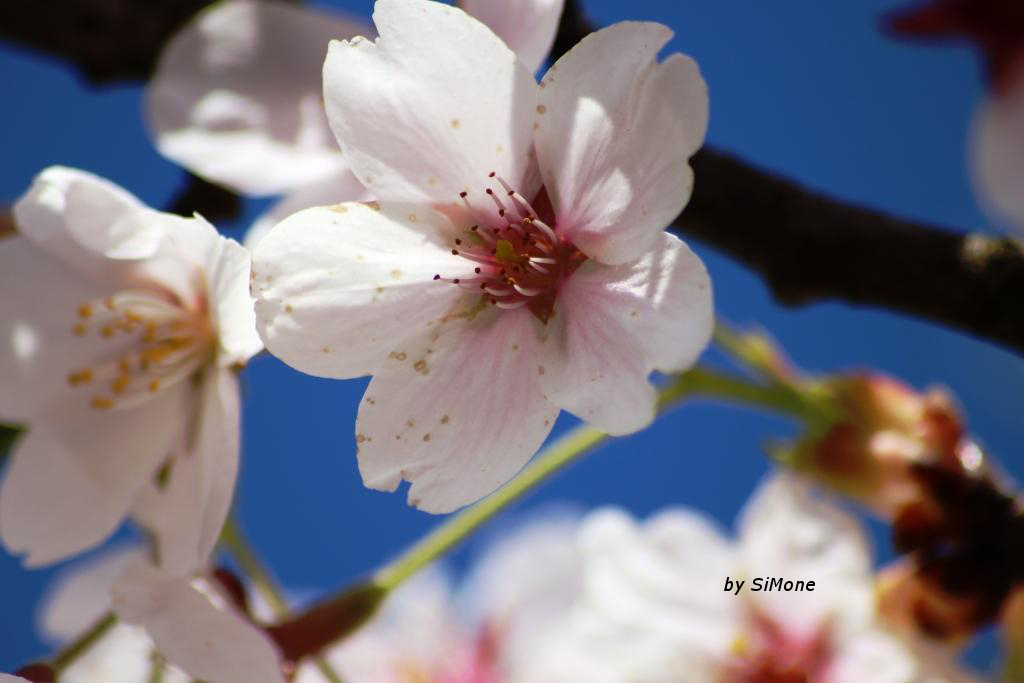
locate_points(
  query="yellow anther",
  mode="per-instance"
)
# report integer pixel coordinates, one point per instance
(740, 645)
(102, 403)
(150, 335)
(80, 377)
(79, 329)
(85, 310)
(107, 331)
(125, 365)
(154, 385)
(120, 384)
(111, 305)
(155, 355)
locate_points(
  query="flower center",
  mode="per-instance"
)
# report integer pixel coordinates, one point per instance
(770, 655)
(520, 261)
(154, 344)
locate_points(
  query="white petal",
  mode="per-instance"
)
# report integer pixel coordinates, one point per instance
(615, 130)
(236, 97)
(209, 643)
(80, 595)
(71, 482)
(526, 26)
(432, 107)
(81, 218)
(787, 531)
(5, 678)
(187, 515)
(339, 289)
(460, 423)
(615, 324)
(338, 188)
(227, 269)
(998, 155)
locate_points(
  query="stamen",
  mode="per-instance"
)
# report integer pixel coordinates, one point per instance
(520, 263)
(166, 343)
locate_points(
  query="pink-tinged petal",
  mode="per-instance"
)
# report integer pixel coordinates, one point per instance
(339, 188)
(526, 26)
(614, 133)
(459, 423)
(788, 530)
(430, 108)
(236, 97)
(80, 595)
(341, 289)
(211, 643)
(71, 482)
(38, 347)
(5, 678)
(616, 324)
(187, 514)
(998, 156)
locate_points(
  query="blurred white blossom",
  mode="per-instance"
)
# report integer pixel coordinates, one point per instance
(517, 262)
(121, 333)
(654, 609)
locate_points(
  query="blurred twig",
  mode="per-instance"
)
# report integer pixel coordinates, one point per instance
(203, 197)
(807, 247)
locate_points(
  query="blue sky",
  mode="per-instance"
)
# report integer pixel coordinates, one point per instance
(807, 88)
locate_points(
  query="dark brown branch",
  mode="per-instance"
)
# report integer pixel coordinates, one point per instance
(201, 196)
(810, 247)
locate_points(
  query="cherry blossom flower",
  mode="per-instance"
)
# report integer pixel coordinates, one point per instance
(653, 608)
(121, 335)
(237, 96)
(516, 263)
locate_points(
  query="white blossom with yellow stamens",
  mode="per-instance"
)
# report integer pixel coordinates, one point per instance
(120, 333)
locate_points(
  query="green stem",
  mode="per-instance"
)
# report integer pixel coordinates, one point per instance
(236, 542)
(81, 645)
(566, 449)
